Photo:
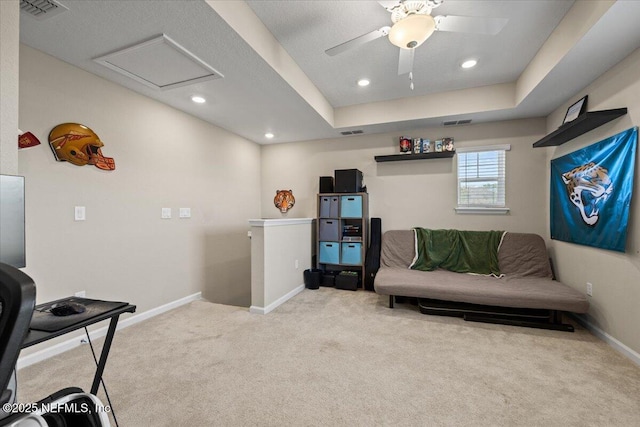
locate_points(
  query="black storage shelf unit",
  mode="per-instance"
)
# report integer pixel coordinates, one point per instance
(422, 156)
(583, 124)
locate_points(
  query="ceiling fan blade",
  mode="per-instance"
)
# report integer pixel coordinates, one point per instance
(358, 41)
(470, 24)
(405, 62)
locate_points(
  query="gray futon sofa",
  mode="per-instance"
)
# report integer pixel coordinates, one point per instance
(526, 290)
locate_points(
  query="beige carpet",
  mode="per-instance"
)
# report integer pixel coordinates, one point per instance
(338, 358)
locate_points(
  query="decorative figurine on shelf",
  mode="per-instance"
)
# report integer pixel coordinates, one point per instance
(284, 200)
(79, 145)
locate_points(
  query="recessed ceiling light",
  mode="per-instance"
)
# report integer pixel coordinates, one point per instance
(269, 135)
(363, 82)
(469, 63)
(198, 99)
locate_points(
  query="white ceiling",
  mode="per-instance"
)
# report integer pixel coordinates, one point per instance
(278, 79)
(307, 28)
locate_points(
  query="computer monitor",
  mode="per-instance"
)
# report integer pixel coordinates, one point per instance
(12, 235)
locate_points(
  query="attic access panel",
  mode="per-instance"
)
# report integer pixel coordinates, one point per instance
(160, 63)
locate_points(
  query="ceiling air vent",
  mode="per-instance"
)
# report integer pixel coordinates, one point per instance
(352, 132)
(42, 9)
(457, 122)
(160, 63)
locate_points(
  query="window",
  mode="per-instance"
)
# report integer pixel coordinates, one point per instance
(481, 179)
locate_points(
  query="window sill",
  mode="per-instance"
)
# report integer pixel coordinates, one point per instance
(482, 211)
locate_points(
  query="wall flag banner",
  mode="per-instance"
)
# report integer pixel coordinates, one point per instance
(591, 192)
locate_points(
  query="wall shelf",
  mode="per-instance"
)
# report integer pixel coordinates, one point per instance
(583, 124)
(402, 157)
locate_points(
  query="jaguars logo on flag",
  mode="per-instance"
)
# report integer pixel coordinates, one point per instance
(591, 192)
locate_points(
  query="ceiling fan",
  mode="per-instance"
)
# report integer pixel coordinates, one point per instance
(413, 25)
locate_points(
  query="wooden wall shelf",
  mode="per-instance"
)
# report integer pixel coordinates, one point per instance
(402, 157)
(583, 124)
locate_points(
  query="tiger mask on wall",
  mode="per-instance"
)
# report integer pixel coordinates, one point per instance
(284, 200)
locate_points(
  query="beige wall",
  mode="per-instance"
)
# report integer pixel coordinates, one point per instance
(9, 65)
(615, 276)
(414, 193)
(164, 158)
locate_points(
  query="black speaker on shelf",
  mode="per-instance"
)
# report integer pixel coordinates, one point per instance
(348, 181)
(326, 184)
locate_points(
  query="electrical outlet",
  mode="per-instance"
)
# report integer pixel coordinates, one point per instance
(297, 264)
(589, 289)
(81, 294)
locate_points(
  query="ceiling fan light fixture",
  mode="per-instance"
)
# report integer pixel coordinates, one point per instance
(412, 31)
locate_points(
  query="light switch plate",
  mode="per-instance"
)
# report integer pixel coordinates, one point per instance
(80, 213)
(185, 212)
(166, 213)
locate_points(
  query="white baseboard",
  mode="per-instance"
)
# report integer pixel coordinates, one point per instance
(67, 345)
(264, 310)
(617, 345)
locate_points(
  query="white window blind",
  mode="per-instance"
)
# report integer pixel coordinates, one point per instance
(481, 177)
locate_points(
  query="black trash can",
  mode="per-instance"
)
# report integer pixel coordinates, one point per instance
(312, 278)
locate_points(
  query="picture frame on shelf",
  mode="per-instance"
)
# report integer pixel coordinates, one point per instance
(417, 145)
(575, 110)
(405, 145)
(447, 144)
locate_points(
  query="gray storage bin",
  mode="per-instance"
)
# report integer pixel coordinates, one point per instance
(329, 230)
(329, 206)
(325, 207)
(333, 206)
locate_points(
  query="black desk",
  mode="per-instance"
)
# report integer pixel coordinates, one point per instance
(35, 336)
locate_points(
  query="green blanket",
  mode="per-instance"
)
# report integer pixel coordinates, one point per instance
(457, 250)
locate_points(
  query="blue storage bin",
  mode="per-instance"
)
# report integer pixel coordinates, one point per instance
(329, 253)
(351, 253)
(329, 229)
(351, 206)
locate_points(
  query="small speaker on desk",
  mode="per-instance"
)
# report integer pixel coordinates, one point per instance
(326, 184)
